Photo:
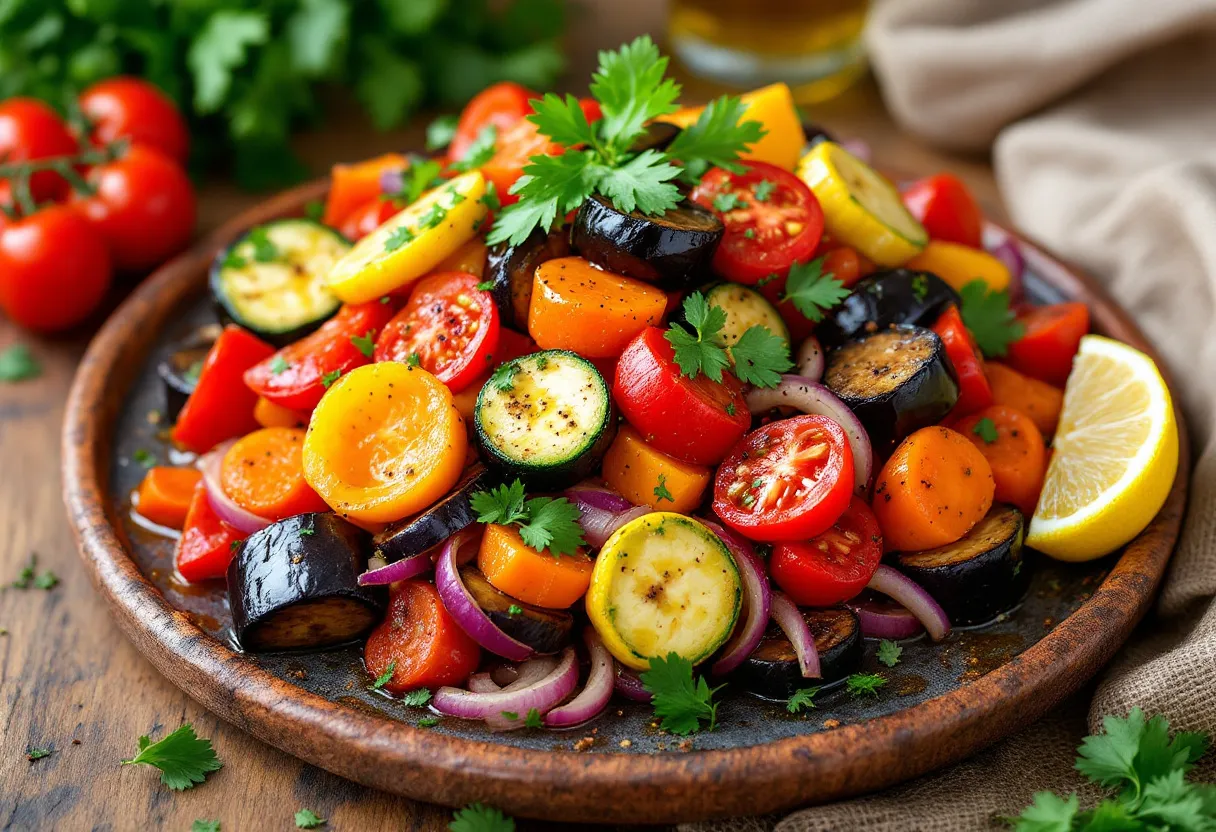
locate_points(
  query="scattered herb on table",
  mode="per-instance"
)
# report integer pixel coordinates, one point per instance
(545, 523)
(479, 818)
(184, 759)
(29, 576)
(33, 754)
(681, 703)
(803, 699)
(889, 652)
(201, 825)
(308, 819)
(17, 363)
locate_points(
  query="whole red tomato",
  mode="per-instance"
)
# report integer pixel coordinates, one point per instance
(30, 130)
(54, 269)
(133, 109)
(144, 207)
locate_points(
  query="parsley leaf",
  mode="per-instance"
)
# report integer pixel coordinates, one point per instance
(562, 120)
(811, 291)
(728, 202)
(17, 363)
(865, 684)
(417, 179)
(28, 577)
(327, 379)
(920, 286)
(504, 377)
(384, 678)
(478, 818)
(514, 609)
(144, 457)
(763, 190)
(702, 353)
(264, 250)
(33, 754)
(485, 286)
(490, 197)
(533, 720)
(631, 89)
(480, 151)
(761, 357)
(417, 698)
(414, 359)
(889, 652)
(184, 759)
(988, 316)
(552, 525)
(441, 131)
(1049, 813)
(551, 186)
(986, 429)
(399, 237)
(503, 504)
(803, 699)
(1133, 751)
(716, 138)
(428, 722)
(730, 409)
(201, 825)
(365, 343)
(308, 819)
(678, 701)
(642, 184)
(660, 491)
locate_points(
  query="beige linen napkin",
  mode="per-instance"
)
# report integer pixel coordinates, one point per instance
(1102, 119)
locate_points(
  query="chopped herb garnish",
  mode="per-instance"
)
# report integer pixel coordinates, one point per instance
(514, 609)
(988, 316)
(730, 409)
(144, 457)
(308, 532)
(201, 825)
(660, 491)
(399, 237)
(490, 198)
(428, 722)
(279, 365)
(33, 754)
(365, 343)
(986, 429)
(545, 523)
(889, 652)
(750, 234)
(803, 699)
(680, 702)
(416, 180)
(47, 580)
(511, 715)
(264, 249)
(920, 287)
(184, 759)
(504, 377)
(533, 720)
(478, 818)
(386, 300)
(413, 359)
(480, 151)
(193, 372)
(728, 202)
(17, 363)
(865, 684)
(434, 215)
(441, 131)
(763, 190)
(383, 678)
(811, 291)
(327, 379)
(417, 698)
(28, 576)
(314, 209)
(485, 286)
(308, 819)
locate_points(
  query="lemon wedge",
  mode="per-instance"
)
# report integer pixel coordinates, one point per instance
(1115, 454)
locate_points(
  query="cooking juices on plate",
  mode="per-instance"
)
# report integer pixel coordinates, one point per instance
(602, 403)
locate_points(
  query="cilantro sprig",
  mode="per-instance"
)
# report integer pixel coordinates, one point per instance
(802, 699)
(811, 291)
(987, 315)
(545, 523)
(184, 758)
(681, 703)
(477, 817)
(759, 356)
(631, 88)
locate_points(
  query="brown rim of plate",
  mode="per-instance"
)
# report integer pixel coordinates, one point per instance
(567, 785)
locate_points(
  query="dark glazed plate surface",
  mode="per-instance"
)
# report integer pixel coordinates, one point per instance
(942, 701)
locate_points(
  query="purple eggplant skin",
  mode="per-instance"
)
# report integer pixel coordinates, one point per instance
(175, 369)
(673, 250)
(894, 296)
(897, 381)
(294, 585)
(545, 631)
(772, 670)
(511, 268)
(979, 577)
(415, 534)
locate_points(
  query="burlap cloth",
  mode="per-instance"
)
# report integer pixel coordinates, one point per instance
(1102, 119)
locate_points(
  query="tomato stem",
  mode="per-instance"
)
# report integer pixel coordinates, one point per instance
(64, 165)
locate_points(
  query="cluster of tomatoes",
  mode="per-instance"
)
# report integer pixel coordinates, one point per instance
(81, 202)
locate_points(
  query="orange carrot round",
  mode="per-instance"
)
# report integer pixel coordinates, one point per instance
(1015, 450)
(538, 578)
(271, 415)
(932, 490)
(263, 472)
(164, 495)
(1037, 399)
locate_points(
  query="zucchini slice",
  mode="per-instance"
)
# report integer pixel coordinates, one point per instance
(662, 584)
(272, 280)
(979, 577)
(744, 309)
(545, 418)
(772, 670)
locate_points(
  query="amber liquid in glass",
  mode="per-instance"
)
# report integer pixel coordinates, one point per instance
(813, 45)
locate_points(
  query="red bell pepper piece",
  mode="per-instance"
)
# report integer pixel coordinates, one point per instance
(207, 543)
(221, 406)
(974, 393)
(1053, 336)
(351, 186)
(946, 209)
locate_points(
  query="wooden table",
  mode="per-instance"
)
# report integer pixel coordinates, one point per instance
(73, 683)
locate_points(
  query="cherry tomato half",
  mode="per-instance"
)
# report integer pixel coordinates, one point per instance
(974, 393)
(772, 220)
(504, 105)
(297, 376)
(1053, 336)
(131, 108)
(693, 419)
(788, 480)
(449, 326)
(833, 566)
(54, 269)
(946, 209)
(31, 130)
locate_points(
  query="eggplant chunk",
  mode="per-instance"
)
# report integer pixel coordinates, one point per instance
(895, 296)
(294, 585)
(979, 577)
(897, 381)
(673, 249)
(772, 669)
(180, 368)
(415, 534)
(510, 269)
(545, 631)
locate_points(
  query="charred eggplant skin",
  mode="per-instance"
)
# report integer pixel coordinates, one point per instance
(673, 251)
(772, 670)
(415, 534)
(304, 565)
(545, 631)
(175, 372)
(510, 268)
(895, 296)
(979, 577)
(897, 381)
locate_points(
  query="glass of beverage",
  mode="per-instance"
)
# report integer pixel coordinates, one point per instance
(813, 45)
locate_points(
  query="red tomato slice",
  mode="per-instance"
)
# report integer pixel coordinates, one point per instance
(946, 209)
(834, 566)
(221, 407)
(693, 419)
(775, 220)
(1053, 336)
(449, 324)
(974, 393)
(205, 547)
(788, 480)
(504, 105)
(303, 368)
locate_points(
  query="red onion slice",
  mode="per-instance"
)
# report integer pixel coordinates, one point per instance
(881, 617)
(471, 618)
(809, 396)
(757, 602)
(602, 512)
(628, 685)
(542, 695)
(789, 619)
(392, 181)
(859, 148)
(597, 496)
(482, 683)
(398, 570)
(1008, 250)
(242, 520)
(595, 694)
(810, 359)
(920, 603)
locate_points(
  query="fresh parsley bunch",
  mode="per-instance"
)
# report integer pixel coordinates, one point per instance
(759, 356)
(631, 89)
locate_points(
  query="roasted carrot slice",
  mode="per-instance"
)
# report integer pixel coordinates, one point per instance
(596, 313)
(648, 477)
(164, 495)
(932, 490)
(384, 442)
(1037, 399)
(271, 415)
(534, 577)
(1015, 450)
(263, 472)
(419, 642)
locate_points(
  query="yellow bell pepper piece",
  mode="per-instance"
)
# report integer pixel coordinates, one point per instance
(958, 265)
(772, 106)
